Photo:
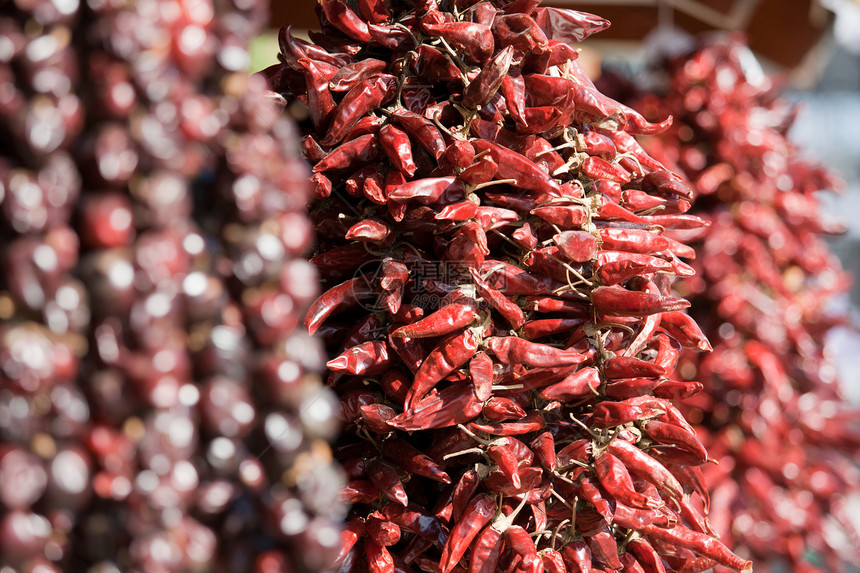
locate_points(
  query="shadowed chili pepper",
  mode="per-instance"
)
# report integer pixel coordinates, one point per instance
(608, 414)
(618, 301)
(665, 184)
(625, 388)
(481, 89)
(604, 547)
(450, 354)
(349, 76)
(577, 557)
(701, 543)
(320, 101)
(351, 154)
(344, 19)
(486, 551)
(386, 479)
(359, 491)
(410, 351)
(336, 299)
(381, 531)
(453, 405)
(533, 422)
(365, 125)
(294, 48)
(422, 129)
(322, 186)
(412, 519)
(376, 416)
(513, 89)
(539, 328)
(523, 545)
(373, 11)
(475, 517)
(544, 449)
(410, 459)
(568, 26)
(481, 171)
(495, 217)
(379, 560)
(352, 531)
(432, 65)
(513, 165)
(646, 556)
(397, 147)
(670, 434)
(367, 95)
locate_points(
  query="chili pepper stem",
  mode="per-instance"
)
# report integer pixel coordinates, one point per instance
(584, 427)
(491, 183)
(463, 453)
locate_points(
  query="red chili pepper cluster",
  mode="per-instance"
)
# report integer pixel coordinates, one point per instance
(152, 229)
(772, 413)
(498, 310)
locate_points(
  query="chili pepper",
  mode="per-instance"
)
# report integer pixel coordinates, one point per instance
(525, 237)
(598, 168)
(468, 247)
(450, 318)
(410, 351)
(632, 240)
(365, 125)
(519, 31)
(569, 26)
(684, 329)
(320, 101)
(694, 519)
(293, 48)
(462, 211)
(604, 547)
(513, 89)
(693, 478)
(475, 517)
(417, 99)
(369, 231)
(367, 95)
(630, 387)
(498, 409)
(486, 551)
(412, 519)
(610, 210)
(544, 449)
(664, 433)
(386, 479)
(545, 304)
(515, 350)
(426, 191)
(565, 216)
(422, 129)
(349, 155)
(630, 564)
(513, 165)
(413, 461)
(539, 328)
(540, 119)
(481, 171)
(577, 557)
(376, 416)
(646, 555)
(381, 531)
(358, 491)
(495, 217)
(395, 143)
(433, 66)
(352, 531)
(608, 414)
(577, 246)
(523, 545)
(350, 75)
(630, 367)
(506, 461)
(481, 372)
(463, 493)
(618, 301)
(453, 405)
(560, 54)
(646, 467)
(633, 518)
(367, 358)
(379, 560)
(336, 299)
(454, 351)
(485, 85)
(701, 543)
(533, 422)
(614, 477)
(344, 19)
(581, 383)
(476, 40)
(510, 311)
(678, 221)
(321, 185)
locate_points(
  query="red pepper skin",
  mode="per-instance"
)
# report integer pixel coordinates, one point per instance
(395, 384)
(450, 318)
(454, 405)
(373, 11)
(565, 216)
(359, 491)
(468, 247)
(632, 240)
(670, 434)
(485, 85)
(629, 367)
(432, 65)
(375, 417)
(397, 147)
(581, 383)
(450, 354)
(413, 461)
(645, 467)
(700, 543)
(523, 545)
(509, 310)
(577, 557)
(679, 221)
(666, 184)
(498, 409)
(646, 556)
(486, 551)
(463, 493)
(544, 304)
(422, 129)
(320, 101)
(544, 449)
(598, 168)
(515, 350)
(410, 351)
(368, 94)
(495, 217)
(618, 301)
(385, 477)
(625, 388)
(369, 231)
(336, 299)
(349, 76)
(427, 191)
(633, 518)
(533, 422)
(379, 560)
(568, 26)
(381, 531)
(352, 154)
(684, 329)
(344, 19)
(616, 480)
(577, 246)
(481, 372)
(630, 565)
(476, 40)
(525, 237)
(413, 520)
(476, 516)
(352, 531)
(513, 165)
(462, 211)
(549, 326)
(513, 89)
(693, 478)
(604, 547)
(609, 414)
(507, 463)
(364, 359)
(553, 562)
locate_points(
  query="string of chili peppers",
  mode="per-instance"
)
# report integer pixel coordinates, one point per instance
(490, 235)
(772, 413)
(152, 233)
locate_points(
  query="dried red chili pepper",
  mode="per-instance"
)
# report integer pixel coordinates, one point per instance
(477, 514)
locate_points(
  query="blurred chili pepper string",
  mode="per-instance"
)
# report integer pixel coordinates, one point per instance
(771, 412)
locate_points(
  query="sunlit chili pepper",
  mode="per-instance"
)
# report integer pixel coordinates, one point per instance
(395, 143)
(351, 154)
(477, 514)
(368, 94)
